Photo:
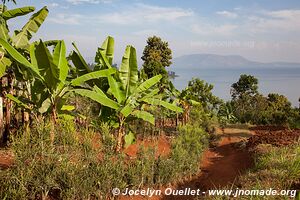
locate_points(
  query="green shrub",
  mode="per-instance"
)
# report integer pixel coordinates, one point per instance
(201, 118)
(275, 167)
(72, 168)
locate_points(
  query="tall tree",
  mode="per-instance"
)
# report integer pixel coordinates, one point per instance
(247, 85)
(156, 56)
(200, 91)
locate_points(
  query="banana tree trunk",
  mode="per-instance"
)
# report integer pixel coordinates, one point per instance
(25, 114)
(53, 123)
(1, 120)
(121, 133)
(8, 106)
(186, 113)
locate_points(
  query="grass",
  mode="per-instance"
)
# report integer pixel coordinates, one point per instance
(275, 167)
(75, 166)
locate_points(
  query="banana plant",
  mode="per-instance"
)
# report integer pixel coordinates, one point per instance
(226, 113)
(126, 95)
(186, 103)
(20, 39)
(49, 72)
(103, 60)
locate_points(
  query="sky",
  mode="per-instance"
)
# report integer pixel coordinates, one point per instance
(259, 30)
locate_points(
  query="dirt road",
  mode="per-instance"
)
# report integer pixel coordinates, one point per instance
(220, 166)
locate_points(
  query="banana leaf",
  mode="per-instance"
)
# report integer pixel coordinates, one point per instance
(146, 116)
(59, 59)
(3, 29)
(100, 98)
(47, 68)
(128, 72)
(105, 54)
(158, 102)
(21, 38)
(9, 14)
(20, 58)
(79, 62)
(92, 75)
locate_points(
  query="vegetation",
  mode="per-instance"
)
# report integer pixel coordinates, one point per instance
(249, 106)
(274, 168)
(157, 56)
(68, 122)
(42, 86)
(75, 167)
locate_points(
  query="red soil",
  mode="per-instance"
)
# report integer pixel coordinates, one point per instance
(162, 144)
(220, 166)
(6, 159)
(281, 137)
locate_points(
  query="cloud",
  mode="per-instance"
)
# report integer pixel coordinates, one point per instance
(77, 2)
(279, 21)
(212, 30)
(138, 14)
(146, 32)
(53, 5)
(227, 14)
(141, 13)
(66, 19)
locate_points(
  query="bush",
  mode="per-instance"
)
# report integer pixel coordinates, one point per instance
(200, 118)
(64, 170)
(74, 168)
(275, 167)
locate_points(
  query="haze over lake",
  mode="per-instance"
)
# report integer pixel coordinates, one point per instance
(273, 78)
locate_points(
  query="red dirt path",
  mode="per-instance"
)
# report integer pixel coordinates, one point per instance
(220, 166)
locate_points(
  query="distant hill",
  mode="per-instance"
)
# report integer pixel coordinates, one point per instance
(204, 61)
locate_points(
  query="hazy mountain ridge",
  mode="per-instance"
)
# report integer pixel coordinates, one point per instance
(203, 61)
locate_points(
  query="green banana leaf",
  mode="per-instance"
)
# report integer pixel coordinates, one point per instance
(127, 110)
(128, 72)
(3, 29)
(146, 116)
(98, 90)
(129, 139)
(17, 101)
(114, 87)
(106, 52)
(79, 62)
(49, 43)
(158, 102)
(47, 68)
(45, 105)
(3, 8)
(148, 84)
(100, 98)
(92, 75)
(21, 38)
(9, 14)
(151, 93)
(59, 59)
(68, 107)
(20, 58)
(4, 63)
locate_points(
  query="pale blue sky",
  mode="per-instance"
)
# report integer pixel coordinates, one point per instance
(260, 30)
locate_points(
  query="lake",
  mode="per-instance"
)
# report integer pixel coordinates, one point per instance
(284, 81)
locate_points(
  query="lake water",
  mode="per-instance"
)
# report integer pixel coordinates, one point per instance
(284, 81)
